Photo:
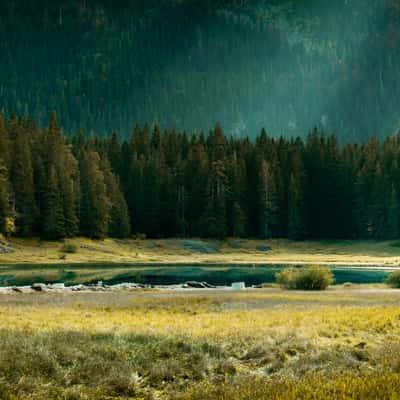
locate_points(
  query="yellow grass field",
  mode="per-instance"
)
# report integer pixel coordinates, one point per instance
(34, 251)
(213, 344)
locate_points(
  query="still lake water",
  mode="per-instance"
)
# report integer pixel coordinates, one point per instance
(165, 275)
(249, 275)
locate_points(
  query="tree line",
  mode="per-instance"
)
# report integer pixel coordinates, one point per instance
(172, 184)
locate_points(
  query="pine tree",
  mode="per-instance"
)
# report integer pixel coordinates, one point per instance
(267, 206)
(135, 194)
(392, 216)
(94, 205)
(119, 224)
(316, 184)
(296, 224)
(236, 197)
(196, 177)
(60, 190)
(5, 147)
(296, 197)
(114, 154)
(70, 196)
(21, 176)
(215, 215)
(53, 217)
(152, 185)
(6, 219)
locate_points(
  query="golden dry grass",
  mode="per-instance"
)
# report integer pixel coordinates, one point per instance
(258, 344)
(33, 251)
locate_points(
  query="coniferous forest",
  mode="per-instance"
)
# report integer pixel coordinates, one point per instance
(280, 64)
(173, 184)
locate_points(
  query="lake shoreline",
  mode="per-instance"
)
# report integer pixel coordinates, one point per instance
(153, 275)
(243, 264)
(198, 252)
(188, 287)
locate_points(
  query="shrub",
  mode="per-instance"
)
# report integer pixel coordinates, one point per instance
(69, 248)
(393, 279)
(287, 278)
(309, 278)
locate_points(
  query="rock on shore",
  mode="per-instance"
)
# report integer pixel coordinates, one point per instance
(99, 287)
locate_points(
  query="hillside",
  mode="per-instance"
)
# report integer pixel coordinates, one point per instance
(282, 65)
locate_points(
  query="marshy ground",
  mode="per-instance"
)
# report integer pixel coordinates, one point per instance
(208, 344)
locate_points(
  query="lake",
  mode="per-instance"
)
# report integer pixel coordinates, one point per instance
(165, 275)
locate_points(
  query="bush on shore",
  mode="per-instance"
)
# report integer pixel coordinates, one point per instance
(393, 280)
(69, 248)
(308, 278)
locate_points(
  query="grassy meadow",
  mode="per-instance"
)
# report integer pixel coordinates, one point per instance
(343, 343)
(35, 251)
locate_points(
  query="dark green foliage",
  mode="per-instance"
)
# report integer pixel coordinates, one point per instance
(53, 217)
(310, 278)
(214, 217)
(95, 204)
(5, 203)
(69, 248)
(393, 279)
(119, 224)
(169, 185)
(57, 172)
(283, 64)
(21, 176)
(267, 199)
(296, 216)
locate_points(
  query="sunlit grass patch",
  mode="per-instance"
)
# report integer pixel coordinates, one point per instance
(33, 251)
(314, 387)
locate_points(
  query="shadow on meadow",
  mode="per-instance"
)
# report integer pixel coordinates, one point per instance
(70, 365)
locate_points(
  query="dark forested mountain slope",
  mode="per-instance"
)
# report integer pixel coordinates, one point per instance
(282, 65)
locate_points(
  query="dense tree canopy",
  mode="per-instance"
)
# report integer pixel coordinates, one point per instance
(286, 65)
(171, 184)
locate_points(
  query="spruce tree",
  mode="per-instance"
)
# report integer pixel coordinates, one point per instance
(114, 154)
(196, 177)
(60, 193)
(392, 216)
(236, 197)
(267, 205)
(119, 224)
(296, 220)
(53, 217)
(152, 185)
(94, 204)
(215, 213)
(135, 194)
(6, 219)
(5, 145)
(296, 197)
(21, 176)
